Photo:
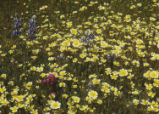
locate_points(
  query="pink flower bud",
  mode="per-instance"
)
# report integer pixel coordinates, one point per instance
(53, 93)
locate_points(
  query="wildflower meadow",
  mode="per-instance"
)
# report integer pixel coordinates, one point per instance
(79, 57)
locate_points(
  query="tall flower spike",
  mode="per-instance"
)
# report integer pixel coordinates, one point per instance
(32, 27)
(17, 26)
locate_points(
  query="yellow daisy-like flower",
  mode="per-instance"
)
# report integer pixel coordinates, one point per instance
(3, 89)
(147, 74)
(76, 43)
(123, 72)
(14, 109)
(55, 105)
(74, 31)
(75, 60)
(63, 73)
(96, 81)
(98, 31)
(151, 94)
(104, 44)
(36, 51)
(82, 55)
(92, 76)
(99, 101)
(154, 74)
(89, 100)
(66, 43)
(114, 77)
(144, 102)
(156, 83)
(93, 94)
(76, 99)
(148, 86)
(135, 101)
(39, 69)
(3, 76)
(69, 24)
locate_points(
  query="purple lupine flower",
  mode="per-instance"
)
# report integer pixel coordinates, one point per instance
(113, 56)
(17, 26)
(16, 32)
(32, 28)
(110, 56)
(87, 37)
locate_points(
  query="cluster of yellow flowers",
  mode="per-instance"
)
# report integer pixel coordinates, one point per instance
(105, 61)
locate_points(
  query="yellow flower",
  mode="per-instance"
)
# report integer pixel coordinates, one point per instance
(114, 77)
(123, 72)
(147, 74)
(98, 31)
(66, 43)
(3, 76)
(63, 73)
(76, 99)
(76, 43)
(74, 86)
(154, 74)
(36, 51)
(96, 81)
(127, 18)
(104, 44)
(39, 69)
(156, 83)
(144, 102)
(92, 76)
(146, 64)
(105, 89)
(148, 86)
(14, 109)
(34, 112)
(83, 55)
(4, 101)
(55, 105)
(74, 31)
(151, 94)
(108, 71)
(69, 24)
(75, 60)
(99, 101)
(65, 96)
(116, 93)
(42, 75)
(93, 94)
(135, 101)
(19, 98)
(29, 84)
(89, 99)
(62, 84)
(33, 68)
(135, 92)
(11, 51)
(34, 57)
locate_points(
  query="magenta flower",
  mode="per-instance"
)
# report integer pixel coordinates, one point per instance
(51, 80)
